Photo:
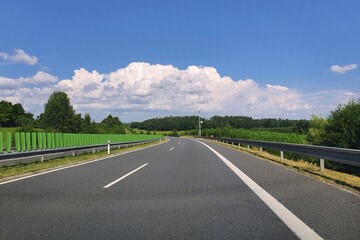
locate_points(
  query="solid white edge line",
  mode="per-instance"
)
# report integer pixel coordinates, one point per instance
(293, 222)
(75, 165)
(126, 175)
(171, 148)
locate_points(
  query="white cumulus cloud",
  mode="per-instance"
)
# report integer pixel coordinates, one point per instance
(145, 87)
(142, 90)
(41, 77)
(343, 69)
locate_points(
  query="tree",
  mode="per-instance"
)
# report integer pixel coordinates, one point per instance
(14, 115)
(343, 126)
(59, 114)
(112, 125)
(316, 130)
(87, 125)
(302, 126)
(6, 114)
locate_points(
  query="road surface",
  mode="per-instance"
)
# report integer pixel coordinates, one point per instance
(181, 189)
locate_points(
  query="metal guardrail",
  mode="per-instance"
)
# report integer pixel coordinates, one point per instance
(339, 155)
(15, 158)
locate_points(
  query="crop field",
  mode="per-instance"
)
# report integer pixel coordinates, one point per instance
(256, 135)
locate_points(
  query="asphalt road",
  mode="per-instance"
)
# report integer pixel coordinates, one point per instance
(177, 190)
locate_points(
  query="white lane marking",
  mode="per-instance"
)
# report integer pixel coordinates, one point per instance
(126, 175)
(75, 165)
(171, 148)
(293, 222)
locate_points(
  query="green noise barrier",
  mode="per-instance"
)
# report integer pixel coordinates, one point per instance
(8, 142)
(33, 141)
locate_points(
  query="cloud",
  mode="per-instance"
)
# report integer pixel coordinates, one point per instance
(7, 83)
(276, 87)
(19, 56)
(145, 87)
(142, 90)
(343, 69)
(40, 78)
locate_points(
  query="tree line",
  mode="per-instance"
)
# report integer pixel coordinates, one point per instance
(14, 115)
(58, 116)
(186, 123)
(340, 129)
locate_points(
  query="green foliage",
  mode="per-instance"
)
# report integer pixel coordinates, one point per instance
(343, 126)
(6, 114)
(88, 125)
(316, 131)
(112, 125)
(14, 115)
(256, 135)
(175, 133)
(340, 129)
(302, 126)
(187, 123)
(59, 114)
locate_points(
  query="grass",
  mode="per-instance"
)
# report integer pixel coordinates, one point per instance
(348, 181)
(31, 168)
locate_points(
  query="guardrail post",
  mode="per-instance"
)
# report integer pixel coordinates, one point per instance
(322, 165)
(108, 147)
(281, 156)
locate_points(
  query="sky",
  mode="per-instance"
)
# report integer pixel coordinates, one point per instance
(139, 59)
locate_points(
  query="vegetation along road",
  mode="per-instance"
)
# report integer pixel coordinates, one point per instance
(181, 189)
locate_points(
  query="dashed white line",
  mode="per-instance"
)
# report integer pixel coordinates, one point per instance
(293, 222)
(76, 165)
(126, 175)
(171, 148)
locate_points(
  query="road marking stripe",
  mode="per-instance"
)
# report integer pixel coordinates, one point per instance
(293, 222)
(126, 175)
(171, 148)
(76, 165)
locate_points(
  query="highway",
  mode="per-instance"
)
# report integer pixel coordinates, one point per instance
(180, 189)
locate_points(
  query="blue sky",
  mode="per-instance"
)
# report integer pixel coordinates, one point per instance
(307, 50)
